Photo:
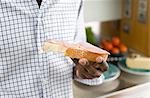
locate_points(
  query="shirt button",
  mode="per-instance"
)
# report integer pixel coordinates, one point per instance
(40, 15)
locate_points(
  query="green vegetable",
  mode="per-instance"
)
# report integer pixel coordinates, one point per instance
(90, 36)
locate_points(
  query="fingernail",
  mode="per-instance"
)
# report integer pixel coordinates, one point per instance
(99, 59)
(83, 61)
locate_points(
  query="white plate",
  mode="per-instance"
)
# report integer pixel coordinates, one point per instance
(116, 71)
(128, 70)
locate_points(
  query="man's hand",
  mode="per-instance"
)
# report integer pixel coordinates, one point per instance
(89, 70)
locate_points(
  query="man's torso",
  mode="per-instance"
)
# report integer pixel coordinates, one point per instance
(24, 71)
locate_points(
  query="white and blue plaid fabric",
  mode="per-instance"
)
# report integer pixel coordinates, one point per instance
(24, 71)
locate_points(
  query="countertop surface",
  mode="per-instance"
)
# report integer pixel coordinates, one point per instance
(139, 91)
(108, 89)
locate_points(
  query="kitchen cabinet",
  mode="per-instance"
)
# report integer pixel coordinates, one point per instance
(135, 25)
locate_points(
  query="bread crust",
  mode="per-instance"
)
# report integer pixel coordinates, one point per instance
(77, 53)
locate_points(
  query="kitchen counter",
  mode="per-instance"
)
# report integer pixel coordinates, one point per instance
(108, 88)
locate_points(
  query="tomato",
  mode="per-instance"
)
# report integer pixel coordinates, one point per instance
(115, 50)
(123, 48)
(115, 41)
(108, 46)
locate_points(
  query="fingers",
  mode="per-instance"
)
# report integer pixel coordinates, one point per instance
(87, 72)
(105, 66)
(90, 70)
(78, 70)
(96, 65)
(99, 59)
(87, 75)
(93, 71)
(102, 66)
(82, 73)
(83, 61)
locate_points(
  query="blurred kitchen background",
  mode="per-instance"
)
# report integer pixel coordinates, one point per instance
(121, 27)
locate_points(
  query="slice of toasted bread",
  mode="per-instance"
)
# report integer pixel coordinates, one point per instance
(80, 50)
(77, 53)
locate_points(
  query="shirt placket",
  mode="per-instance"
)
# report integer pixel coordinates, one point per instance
(42, 58)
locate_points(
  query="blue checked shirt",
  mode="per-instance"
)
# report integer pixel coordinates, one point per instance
(24, 71)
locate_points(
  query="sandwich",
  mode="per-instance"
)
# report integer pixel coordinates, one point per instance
(78, 50)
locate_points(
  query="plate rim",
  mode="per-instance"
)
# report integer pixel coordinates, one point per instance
(114, 77)
(132, 72)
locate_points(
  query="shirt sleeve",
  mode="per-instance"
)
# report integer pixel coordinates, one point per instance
(80, 37)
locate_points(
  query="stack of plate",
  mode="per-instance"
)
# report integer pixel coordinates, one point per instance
(110, 82)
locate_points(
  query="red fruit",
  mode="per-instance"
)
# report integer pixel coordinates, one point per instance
(123, 48)
(115, 50)
(115, 41)
(108, 46)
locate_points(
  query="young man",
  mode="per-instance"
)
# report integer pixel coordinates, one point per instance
(24, 71)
